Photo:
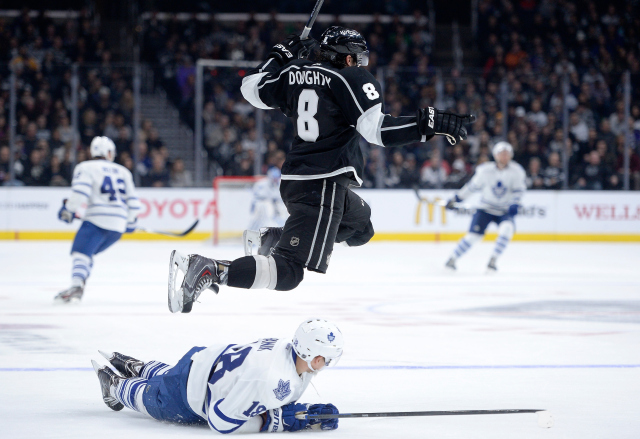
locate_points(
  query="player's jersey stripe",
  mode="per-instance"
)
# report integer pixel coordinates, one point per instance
(333, 198)
(320, 176)
(82, 183)
(398, 127)
(80, 192)
(269, 81)
(315, 235)
(105, 214)
(119, 206)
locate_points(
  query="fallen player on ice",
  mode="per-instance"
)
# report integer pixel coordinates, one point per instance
(233, 388)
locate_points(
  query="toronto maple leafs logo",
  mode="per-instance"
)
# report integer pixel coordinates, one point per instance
(283, 390)
(331, 337)
(499, 189)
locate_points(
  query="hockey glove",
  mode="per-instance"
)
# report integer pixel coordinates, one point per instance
(451, 204)
(513, 210)
(284, 418)
(65, 214)
(292, 48)
(432, 121)
(131, 227)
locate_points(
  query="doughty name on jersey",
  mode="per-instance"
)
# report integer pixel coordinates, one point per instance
(308, 77)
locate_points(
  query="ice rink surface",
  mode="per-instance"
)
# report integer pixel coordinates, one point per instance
(557, 328)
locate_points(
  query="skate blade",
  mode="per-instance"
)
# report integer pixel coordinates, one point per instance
(74, 301)
(175, 299)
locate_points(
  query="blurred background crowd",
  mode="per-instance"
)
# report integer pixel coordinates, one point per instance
(519, 56)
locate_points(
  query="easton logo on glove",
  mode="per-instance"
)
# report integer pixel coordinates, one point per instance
(284, 50)
(432, 115)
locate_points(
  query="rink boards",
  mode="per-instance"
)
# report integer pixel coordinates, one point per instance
(397, 215)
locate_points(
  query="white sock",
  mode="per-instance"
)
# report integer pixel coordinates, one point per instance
(465, 244)
(505, 233)
(81, 269)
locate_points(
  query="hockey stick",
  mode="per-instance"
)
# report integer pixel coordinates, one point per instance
(314, 14)
(175, 235)
(442, 202)
(544, 417)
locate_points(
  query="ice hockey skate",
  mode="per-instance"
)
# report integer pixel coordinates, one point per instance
(491, 266)
(265, 239)
(107, 379)
(70, 295)
(451, 264)
(127, 366)
(200, 273)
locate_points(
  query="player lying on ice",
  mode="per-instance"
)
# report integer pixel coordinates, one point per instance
(332, 102)
(233, 388)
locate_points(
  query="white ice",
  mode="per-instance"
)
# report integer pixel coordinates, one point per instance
(557, 328)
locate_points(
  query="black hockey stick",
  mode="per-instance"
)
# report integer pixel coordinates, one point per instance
(175, 235)
(544, 417)
(314, 14)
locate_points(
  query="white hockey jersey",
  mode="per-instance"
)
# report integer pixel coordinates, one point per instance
(107, 190)
(500, 187)
(247, 380)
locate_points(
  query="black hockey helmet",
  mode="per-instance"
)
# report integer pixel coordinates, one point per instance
(337, 42)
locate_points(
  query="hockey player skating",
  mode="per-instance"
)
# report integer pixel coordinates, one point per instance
(232, 388)
(266, 206)
(112, 207)
(502, 184)
(332, 102)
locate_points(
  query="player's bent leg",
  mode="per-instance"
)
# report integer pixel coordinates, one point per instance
(463, 246)
(127, 366)
(506, 228)
(355, 227)
(359, 238)
(273, 272)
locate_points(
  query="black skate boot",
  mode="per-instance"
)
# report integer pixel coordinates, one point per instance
(128, 367)
(107, 379)
(266, 240)
(491, 267)
(71, 295)
(451, 264)
(200, 273)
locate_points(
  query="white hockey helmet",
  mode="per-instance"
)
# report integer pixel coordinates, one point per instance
(318, 337)
(502, 146)
(102, 146)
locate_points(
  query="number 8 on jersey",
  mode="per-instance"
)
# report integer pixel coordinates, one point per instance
(308, 129)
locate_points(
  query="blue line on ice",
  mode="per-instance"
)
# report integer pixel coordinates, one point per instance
(489, 366)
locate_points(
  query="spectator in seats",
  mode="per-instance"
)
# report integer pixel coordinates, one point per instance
(5, 156)
(125, 160)
(593, 175)
(36, 172)
(434, 171)
(158, 175)
(608, 159)
(553, 175)
(59, 176)
(396, 167)
(536, 115)
(144, 159)
(410, 175)
(179, 176)
(534, 179)
(578, 128)
(43, 133)
(30, 139)
(153, 141)
(634, 165)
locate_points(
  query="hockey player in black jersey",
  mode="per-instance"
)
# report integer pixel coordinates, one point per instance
(331, 102)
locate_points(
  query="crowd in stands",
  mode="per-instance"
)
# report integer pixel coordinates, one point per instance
(41, 52)
(528, 44)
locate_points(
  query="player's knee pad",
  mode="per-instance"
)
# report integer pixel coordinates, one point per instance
(290, 273)
(506, 229)
(361, 238)
(472, 238)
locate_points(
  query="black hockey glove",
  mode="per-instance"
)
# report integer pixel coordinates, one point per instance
(292, 48)
(433, 121)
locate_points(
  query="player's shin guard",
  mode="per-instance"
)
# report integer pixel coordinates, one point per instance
(505, 233)
(273, 272)
(81, 269)
(129, 392)
(465, 244)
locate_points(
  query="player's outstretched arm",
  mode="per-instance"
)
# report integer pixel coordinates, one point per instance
(476, 183)
(81, 188)
(284, 418)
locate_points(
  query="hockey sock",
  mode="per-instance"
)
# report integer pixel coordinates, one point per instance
(505, 233)
(273, 272)
(253, 272)
(129, 392)
(154, 368)
(81, 269)
(465, 244)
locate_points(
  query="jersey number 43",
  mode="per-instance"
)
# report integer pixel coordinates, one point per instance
(107, 188)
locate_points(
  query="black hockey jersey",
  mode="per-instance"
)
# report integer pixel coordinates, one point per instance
(330, 109)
